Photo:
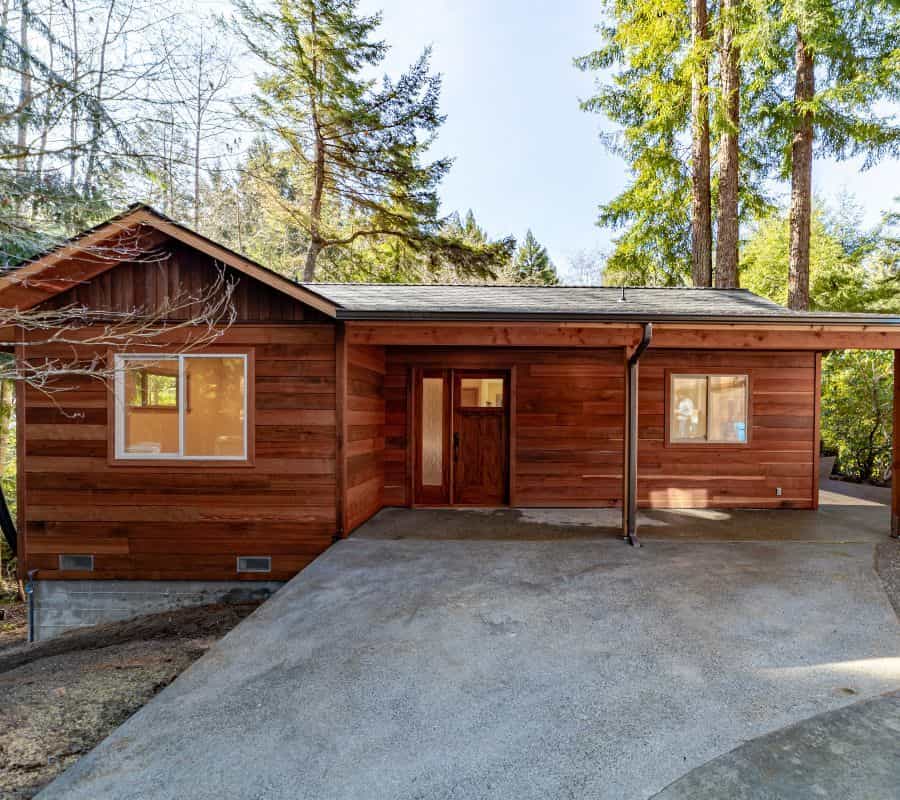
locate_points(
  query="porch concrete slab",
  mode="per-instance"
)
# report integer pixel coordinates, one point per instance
(852, 753)
(520, 666)
(830, 524)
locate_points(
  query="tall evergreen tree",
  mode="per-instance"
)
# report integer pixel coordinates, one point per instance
(801, 177)
(361, 145)
(728, 221)
(651, 62)
(854, 45)
(644, 87)
(701, 202)
(532, 263)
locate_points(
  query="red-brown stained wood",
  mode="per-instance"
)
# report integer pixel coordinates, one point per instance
(779, 452)
(154, 521)
(567, 438)
(569, 428)
(364, 434)
(173, 271)
(191, 519)
(895, 452)
(332, 433)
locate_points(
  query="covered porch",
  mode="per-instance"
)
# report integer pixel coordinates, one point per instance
(847, 513)
(586, 424)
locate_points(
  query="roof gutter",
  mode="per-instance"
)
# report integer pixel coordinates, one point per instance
(631, 438)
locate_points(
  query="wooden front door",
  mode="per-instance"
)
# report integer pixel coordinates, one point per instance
(461, 437)
(480, 438)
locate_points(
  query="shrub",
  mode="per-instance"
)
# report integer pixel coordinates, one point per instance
(857, 407)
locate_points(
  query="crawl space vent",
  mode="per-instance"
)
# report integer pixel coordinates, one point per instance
(254, 564)
(76, 563)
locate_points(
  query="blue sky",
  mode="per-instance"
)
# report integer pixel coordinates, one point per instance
(526, 155)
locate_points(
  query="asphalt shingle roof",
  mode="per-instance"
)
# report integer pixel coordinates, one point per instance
(431, 300)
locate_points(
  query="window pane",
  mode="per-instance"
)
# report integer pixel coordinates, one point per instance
(214, 406)
(728, 408)
(481, 392)
(688, 421)
(151, 407)
(432, 431)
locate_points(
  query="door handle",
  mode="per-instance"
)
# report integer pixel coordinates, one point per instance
(456, 447)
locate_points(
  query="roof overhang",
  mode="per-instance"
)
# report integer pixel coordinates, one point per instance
(140, 229)
(682, 334)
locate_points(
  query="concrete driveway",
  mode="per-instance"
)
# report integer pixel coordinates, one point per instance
(558, 665)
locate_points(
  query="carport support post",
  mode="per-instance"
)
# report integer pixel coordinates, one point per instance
(631, 438)
(895, 453)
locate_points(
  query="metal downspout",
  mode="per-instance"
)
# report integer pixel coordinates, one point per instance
(29, 593)
(632, 437)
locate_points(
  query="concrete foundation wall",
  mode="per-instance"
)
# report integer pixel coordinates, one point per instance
(60, 606)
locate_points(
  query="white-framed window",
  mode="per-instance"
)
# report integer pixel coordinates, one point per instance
(708, 409)
(187, 406)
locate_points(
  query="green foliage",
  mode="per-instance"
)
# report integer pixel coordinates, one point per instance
(846, 273)
(644, 60)
(353, 149)
(854, 47)
(532, 263)
(644, 64)
(850, 270)
(857, 394)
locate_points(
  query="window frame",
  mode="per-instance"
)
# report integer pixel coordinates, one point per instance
(119, 405)
(706, 444)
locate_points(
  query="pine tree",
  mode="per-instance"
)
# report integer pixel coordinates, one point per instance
(824, 66)
(652, 61)
(361, 145)
(645, 89)
(532, 263)
(857, 46)
(728, 221)
(701, 203)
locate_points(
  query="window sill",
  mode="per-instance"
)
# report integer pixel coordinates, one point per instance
(184, 463)
(706, 445)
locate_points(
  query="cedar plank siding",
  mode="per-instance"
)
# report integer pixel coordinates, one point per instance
(567, 427)
(781, 450)
(364, 441)
(318, 456)
(178, 270)
(189, 520)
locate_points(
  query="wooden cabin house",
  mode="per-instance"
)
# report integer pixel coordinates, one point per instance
(317, 405)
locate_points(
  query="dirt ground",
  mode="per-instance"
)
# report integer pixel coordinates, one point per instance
(13, 622)
(62, 696)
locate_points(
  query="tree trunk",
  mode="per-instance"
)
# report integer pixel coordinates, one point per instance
(727, 224)
(96, 111)
(198, 125)
(197, 175)
(316, 243)
(701, 211)
(312, 254)
(73, 111)
(801, 180)
(24, 101)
